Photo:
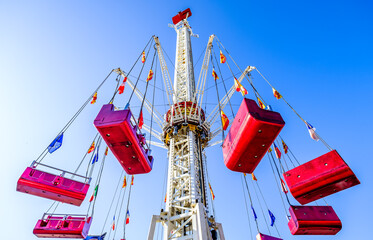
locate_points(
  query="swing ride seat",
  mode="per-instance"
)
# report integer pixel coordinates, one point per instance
(313, 220)
(250, 136)
(261, 236)
(123, 139)
(181, 16)
(55, 187)
(59, 226)
(320, 177)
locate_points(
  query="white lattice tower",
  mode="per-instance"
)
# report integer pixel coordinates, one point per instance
(185, 134)
(186, 190)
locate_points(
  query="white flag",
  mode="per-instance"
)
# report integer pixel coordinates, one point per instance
(312, 132)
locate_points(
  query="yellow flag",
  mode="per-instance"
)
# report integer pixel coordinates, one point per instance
(94, 98)
(253, 177)
(92, 147)
(212, 193)
(106, 151)
(276, 94)
(214, 74)
(261, 104)
(124, 182)
(224, 120)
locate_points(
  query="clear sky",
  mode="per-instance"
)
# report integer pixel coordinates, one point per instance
(53, 54)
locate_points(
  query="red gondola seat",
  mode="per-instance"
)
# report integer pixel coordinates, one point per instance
(320, 177)
(262, 236)
(313, 220)
(250, 136)
(51, 186)
(63, 226)
(124, 139)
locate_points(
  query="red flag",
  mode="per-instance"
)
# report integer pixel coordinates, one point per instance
(286, 148)
(222, 57)
(150, 75)
(92, 147)
(132, 180)
(113, 224)
(277, 151)
(165, 198)
(94, 98)
(121, 88)
(276, 94)
(224, 120)
(261, 104)
(128, 217)
(214, 74)
(143, 57)
(283, 186)
(141, 120)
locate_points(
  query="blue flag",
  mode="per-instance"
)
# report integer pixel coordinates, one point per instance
(56, 143)
(272, 217)
(95, 158)
(254, 212)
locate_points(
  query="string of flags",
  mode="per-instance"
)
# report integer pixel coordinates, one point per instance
(133, 177)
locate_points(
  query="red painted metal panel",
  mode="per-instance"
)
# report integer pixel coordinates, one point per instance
(250, 136)
(313, 220)
(262, 236)
(127, 145)
(63, 227)
(181, 15)
(52, 186)
(320, 177)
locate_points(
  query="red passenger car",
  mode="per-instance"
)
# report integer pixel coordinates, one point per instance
(250, 136)
(320, 177)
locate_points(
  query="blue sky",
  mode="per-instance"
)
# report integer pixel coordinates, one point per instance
(54, 53)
